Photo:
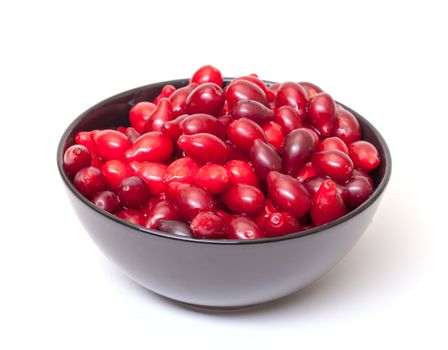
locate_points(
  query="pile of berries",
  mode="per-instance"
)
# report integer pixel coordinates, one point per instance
(241, 161)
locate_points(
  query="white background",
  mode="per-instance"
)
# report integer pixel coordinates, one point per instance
(386, 60)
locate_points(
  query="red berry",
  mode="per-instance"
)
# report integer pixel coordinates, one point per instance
(333, 143)
(204, 148)
(359, 189)
(133, 192)
(76, 157)
(162, 114)
(279, 224)
(244, 199)
(132, 216)
(299, 145)
(132, 134)
(111, 144)
(244, 90)
(310, 89)
(275, 135)
(364, 155)
(202, 123)
(207, 74)
(182, 170)
(153, 175)
(292, 94)
(264, 158)
(333, 163)
(326, 204)
(172, 128)
(115, 171)
(179, 99)
(177, 228)
(288, 194)
(189, 200)
(252, 79)
(205, 98)
(254, 111)
(163, 210)
(166, 92)
(306, 172)
(207, 225)
(107, 200)
(346, 126)
(322, 112)
(139, 114)
(313, 184)
(213, 178)
(89, 181)
(289, 119)
(241, 172)
(243, 132)
(240, 227)
(152, 147)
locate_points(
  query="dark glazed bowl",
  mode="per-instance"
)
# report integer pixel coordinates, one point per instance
(216, 273)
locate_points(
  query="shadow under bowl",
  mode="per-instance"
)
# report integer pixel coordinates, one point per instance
(216, 273)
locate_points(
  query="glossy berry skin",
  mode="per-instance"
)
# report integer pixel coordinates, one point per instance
(313, 184)
(244, 199)
(241, 227)
(133, 192)
(292, 94)
(76, 157)
(189, 200)
(166, 92)
(132, 134)
(326, 204)
(182, 170)
(179, 99)
(243, 90)
(279, 224)
(111, 144)
(172, 128)
(243, 132)
(174, 227)
(359, 189)
(163, 210)
(241, 172)
(89, 181)
(207, 74)
(253, 110)
(107, 200)
(333, 163)
(306, 172)
(213, 178)
(310, 88)
(264, 158)
(299, 144)
(205, 98)
(333, 143)
(289, 119)
(152, 147)
(139, 114)
(275, 135)
(252, 79)
(162, 114)
(204, 148)
(288, 194)
(153, 174)
(364, 155)
(132, 215)
(207, 225)
(115, 171)
(202, 123)
(322, 113)
(346, 126)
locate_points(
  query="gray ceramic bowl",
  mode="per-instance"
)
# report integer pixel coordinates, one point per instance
(216, 273)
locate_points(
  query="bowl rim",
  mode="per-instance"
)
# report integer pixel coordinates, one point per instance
(143, 230)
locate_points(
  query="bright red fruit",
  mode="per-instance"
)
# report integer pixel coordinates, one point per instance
(243, 132)
(253, 110)
(289, 119)
(163, 210)
(327, 204)
(166, 92)
(111, 144)
(162, 114)
(182, 170)
(288, 194)
(132, 216)
(207, 225)
(89, 181)
(346, 126)
(76, 157)
(202, 123)
(205, 98)
(359, 188)
(306, 172)
(264, 158)
(204, 148)
(292, 94)
(152, 147)
(114, 172)
(153, 174)
(310, 89)
(241, 227)
(279, 224)
(244, 90)
(299, 145)
(207, 74)
(241, 172)
(179, 99)
(177, 228)
(244, 199)
(333, 163)
(275, 135)
(172, 128)
(364, 155)
(322, 113)
(333, 143)
(133, 192)
(213, 178)
(139, 114)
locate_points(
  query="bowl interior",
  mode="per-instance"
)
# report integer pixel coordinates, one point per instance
(114, 111)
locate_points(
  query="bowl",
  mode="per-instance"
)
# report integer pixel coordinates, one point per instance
(216, 273)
